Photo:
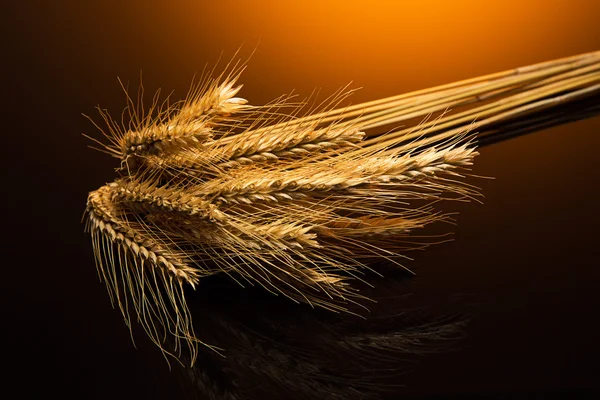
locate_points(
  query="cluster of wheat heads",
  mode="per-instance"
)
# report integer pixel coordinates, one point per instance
(301, 205)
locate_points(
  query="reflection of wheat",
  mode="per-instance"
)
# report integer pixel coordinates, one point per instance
(299, 205)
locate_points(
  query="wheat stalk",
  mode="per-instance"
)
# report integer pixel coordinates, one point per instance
(298, 205)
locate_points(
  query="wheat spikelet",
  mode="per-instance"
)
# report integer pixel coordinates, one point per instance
(298, 205)
(288, 142)
(192, 122)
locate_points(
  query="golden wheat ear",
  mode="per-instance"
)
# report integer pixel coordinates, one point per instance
(301, 206)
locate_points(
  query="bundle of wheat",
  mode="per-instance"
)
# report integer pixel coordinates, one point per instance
(298, 205)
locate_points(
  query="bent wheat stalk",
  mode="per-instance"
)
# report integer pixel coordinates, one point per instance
(298, 205)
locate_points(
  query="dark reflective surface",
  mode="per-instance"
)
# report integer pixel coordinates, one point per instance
(522, 270)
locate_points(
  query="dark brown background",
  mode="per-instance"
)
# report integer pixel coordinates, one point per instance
(527, 258)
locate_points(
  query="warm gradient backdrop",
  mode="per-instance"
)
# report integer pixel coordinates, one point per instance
(528, 256)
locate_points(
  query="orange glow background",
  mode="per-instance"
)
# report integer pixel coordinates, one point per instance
(379, 41)
(387, 47)
(528, 254)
